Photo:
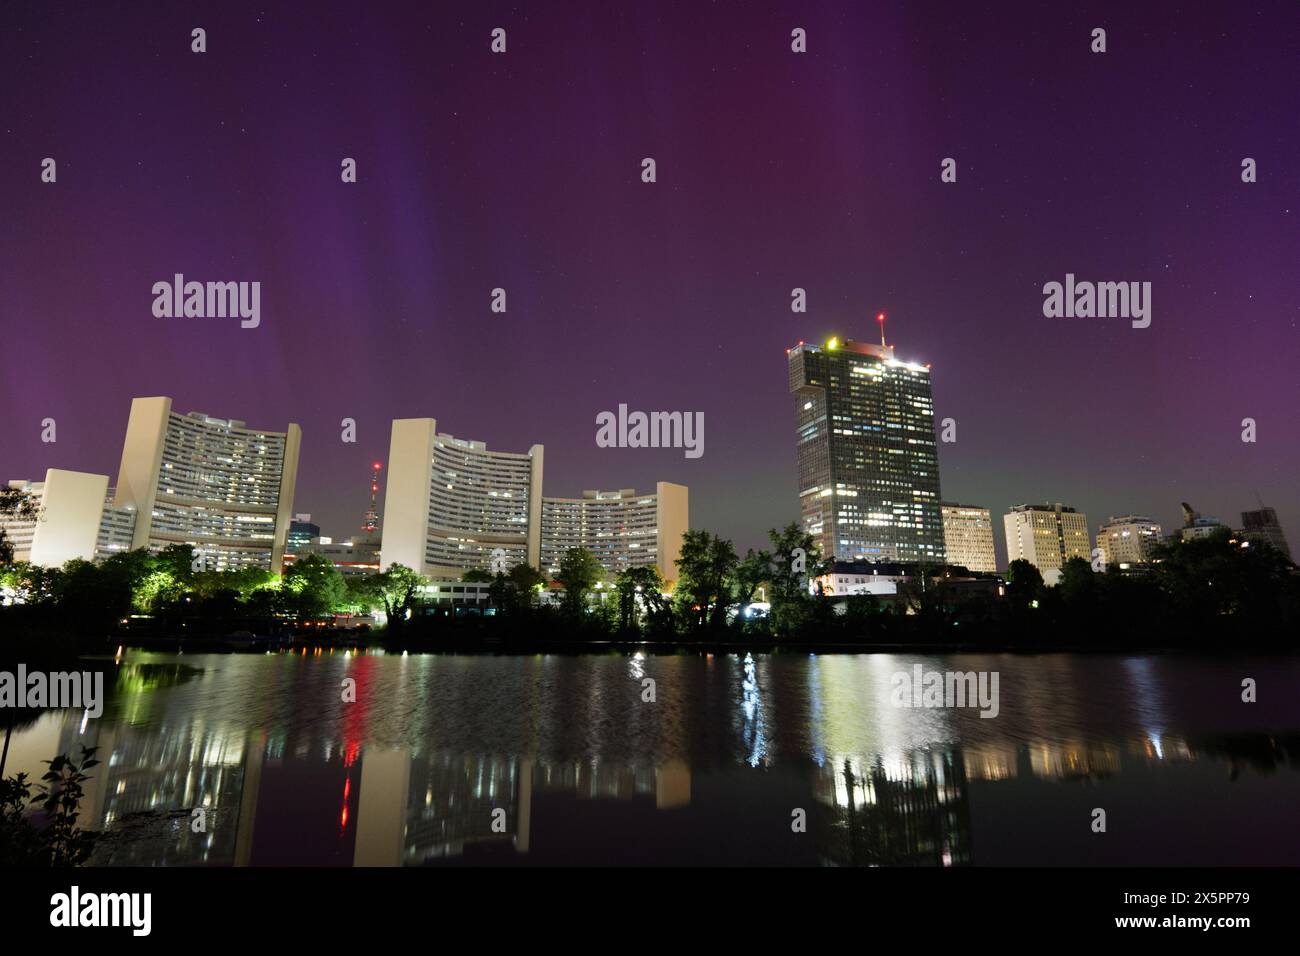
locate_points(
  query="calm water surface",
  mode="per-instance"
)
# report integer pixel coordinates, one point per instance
(554, 759)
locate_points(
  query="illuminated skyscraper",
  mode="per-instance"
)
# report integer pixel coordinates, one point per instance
(868, 464)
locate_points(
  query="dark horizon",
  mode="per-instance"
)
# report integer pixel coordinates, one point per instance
(775, 170)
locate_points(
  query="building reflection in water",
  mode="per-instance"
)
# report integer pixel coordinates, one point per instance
(403, 809)
(449, 802)
(886, 787)
(148, 785)
(876, 817)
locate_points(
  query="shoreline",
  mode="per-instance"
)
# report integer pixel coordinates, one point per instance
(672, 648)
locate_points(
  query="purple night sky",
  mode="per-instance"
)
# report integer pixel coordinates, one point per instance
(775, 170)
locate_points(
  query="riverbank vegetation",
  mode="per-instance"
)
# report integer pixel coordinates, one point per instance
(38, 823)
(1204, 593)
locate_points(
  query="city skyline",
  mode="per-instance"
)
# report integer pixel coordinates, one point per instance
(462, 506)
(522, 173)
(438, 436)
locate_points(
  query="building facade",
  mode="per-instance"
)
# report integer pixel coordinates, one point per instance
(621, 528)
(61, 518)
(1262, 525)
(1128, 540)
(116, 528)
(349, 558)
(19, 527)
(968, 537)
(302, 532)
(888, 580)
(867, 458)
(452, 504)
(1196, 525)
(1047, 536)
(212, 483)
(863, 577)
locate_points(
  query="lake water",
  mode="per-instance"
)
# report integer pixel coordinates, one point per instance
(550, 759)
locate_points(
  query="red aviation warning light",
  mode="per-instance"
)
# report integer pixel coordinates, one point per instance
(880, 317)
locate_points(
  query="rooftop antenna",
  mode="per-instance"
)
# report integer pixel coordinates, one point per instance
(880, 317)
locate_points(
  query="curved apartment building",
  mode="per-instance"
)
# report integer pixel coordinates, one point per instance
(212, 483)
(621, 528)
(451, 504)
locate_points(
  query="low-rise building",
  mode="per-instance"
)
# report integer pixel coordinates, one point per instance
(1195, 525)
(349, 557)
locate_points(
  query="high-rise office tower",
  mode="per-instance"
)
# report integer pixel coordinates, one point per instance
(1128, 539)
(968, 537)
(1262, 525)
(868, 464)
(212, 483)
(451, 504)
(1047, 536)
(621, 528)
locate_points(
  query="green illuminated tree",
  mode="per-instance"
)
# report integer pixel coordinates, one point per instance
(313, 587)
(397, 589)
